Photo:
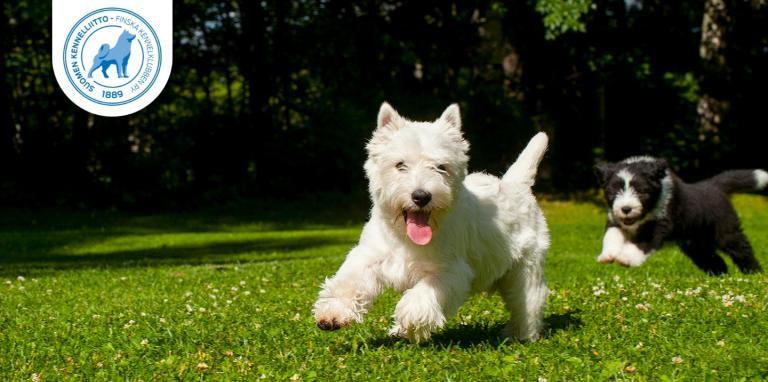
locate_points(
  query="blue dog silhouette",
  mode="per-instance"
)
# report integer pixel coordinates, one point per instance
(118, 55)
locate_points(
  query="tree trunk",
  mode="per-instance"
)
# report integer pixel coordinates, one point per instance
(715, 79)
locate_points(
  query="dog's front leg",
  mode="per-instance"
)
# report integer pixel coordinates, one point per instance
(424, 308)
(613, 241)
(345, 297)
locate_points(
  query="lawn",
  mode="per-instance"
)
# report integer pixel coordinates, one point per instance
(226, 293)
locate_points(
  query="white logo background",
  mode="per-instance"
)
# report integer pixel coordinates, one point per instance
(83, 29)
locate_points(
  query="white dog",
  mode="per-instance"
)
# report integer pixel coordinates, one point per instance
(438, 235)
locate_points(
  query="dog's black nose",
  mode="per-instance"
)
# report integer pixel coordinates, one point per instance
(421, 197)
(626, 210)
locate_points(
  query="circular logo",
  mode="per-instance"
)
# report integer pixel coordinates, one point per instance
(112, 56)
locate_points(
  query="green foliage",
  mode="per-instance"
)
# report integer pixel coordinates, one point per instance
(685, 83)
(226, 294)
(562, 16)
(269, 96)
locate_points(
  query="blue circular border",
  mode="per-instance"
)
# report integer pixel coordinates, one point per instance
(159, 61)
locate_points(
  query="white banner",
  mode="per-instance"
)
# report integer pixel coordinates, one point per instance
(112, 57)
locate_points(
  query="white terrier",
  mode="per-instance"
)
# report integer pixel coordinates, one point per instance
(438, 235)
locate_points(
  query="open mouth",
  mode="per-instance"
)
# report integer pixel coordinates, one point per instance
(628, 221)
(417, 226)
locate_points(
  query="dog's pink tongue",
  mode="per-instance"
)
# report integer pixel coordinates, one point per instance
(417, 227)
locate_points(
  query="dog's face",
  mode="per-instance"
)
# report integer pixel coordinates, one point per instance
(633, 187)
(414, 169)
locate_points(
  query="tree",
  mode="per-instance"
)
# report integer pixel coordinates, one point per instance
(715, 81)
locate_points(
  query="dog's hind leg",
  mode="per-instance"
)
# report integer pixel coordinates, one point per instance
(736, 245)
(524, 291)
(704, 255)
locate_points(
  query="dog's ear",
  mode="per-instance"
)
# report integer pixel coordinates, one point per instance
(452, 116)
(388, 116)
(603, 171)
(659, 168)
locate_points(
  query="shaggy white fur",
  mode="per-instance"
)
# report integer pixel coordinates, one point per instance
(438, 235)
(617, 247)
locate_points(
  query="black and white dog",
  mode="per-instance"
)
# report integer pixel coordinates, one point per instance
(649, 204)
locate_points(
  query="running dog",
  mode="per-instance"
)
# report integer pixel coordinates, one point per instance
(649, 204)
(439, 235)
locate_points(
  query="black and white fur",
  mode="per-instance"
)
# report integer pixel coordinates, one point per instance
(649, 204)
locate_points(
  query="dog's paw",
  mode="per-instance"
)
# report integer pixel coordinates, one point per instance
(606, 258)
(335, 313)
(397, 332)
(415, 334)
(631, 256)
(514, 331)
(417, 316)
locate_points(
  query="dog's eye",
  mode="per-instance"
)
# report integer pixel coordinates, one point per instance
(401, 166)
(442, 168)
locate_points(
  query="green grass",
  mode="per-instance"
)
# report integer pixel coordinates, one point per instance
(226, 294)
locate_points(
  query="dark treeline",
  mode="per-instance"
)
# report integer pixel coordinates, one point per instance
(278, 97)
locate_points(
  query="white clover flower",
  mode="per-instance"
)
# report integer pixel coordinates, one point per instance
(129, 324)
(677, 360)
(643, 306)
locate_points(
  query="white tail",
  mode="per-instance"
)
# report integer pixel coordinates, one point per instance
(524, 168)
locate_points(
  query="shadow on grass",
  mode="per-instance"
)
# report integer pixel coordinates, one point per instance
(473, 336)
(42, 239)
(226, 252)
